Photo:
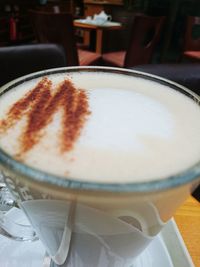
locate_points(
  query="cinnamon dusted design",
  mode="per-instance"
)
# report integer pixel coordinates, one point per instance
(39, 105)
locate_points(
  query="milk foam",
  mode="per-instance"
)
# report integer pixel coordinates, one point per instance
(138, 130)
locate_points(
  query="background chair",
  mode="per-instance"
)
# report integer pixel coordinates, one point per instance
(4, 31)
(58, 28)
(187, 75)
(118, 40)
(17, 61)
(192, 39)
(144, 36)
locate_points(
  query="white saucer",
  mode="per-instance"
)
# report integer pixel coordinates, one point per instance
(159, 253)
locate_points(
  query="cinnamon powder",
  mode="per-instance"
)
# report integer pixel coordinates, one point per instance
(40, 104)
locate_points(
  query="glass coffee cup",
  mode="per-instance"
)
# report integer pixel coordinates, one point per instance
(87, 220)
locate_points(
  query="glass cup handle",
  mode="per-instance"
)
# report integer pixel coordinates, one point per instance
(16, 231)
(8, 226)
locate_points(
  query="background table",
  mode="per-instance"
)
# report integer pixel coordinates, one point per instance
(187, 219)
(87, 27)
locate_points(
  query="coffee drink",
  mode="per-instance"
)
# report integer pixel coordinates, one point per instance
(112, 154)
(100, 127)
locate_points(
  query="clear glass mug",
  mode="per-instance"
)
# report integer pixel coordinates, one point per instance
(96, 224)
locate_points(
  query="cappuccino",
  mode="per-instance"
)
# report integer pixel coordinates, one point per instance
(100, 127)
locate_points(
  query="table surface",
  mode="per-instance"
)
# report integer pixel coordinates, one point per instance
(110, 25)
(187, 219)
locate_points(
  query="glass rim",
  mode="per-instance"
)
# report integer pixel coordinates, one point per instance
(35, 175)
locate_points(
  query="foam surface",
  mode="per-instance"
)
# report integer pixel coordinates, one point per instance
(137, 131)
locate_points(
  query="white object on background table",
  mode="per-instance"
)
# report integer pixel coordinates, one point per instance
(93, 22)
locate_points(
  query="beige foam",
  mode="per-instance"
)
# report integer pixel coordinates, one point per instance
(137, 131)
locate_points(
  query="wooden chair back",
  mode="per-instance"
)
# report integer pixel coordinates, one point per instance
(144, 36)
(56, 28)
(192, 34)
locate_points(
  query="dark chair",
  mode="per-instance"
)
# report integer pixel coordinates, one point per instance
(118, 40)
(17, 61)
(144, 36)
(4, 31)
(192, 39)
(58, 28)
(187, 75)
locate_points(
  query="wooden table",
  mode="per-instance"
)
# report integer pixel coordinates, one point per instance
(187, 219)
(87, 27)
